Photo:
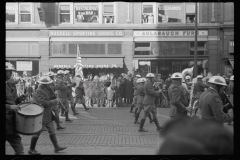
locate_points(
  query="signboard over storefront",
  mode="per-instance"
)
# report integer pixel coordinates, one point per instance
(86, 33)
(24, 65)
(173, 33)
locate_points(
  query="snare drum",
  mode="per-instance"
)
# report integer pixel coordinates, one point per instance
(29, 118)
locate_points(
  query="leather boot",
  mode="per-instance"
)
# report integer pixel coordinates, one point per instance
(157, 124)
(62, 111)
(67, 118)
(135, 112)
(57, 120)
(32, 150)
(55, 143)
(131, 110)
(73, 110)
(150, 118)
(136, 118)
(85, 107)
(141, 129)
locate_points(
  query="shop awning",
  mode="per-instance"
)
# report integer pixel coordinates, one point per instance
(232, 62)
(198, 49)
(169, 58)
(87, 63)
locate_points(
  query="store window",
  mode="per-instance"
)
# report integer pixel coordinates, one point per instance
(11, 12)
(142, 48)
(170, 13)
(176, 67)
(65, 14)
(58, 48)
(190, 12)
(108, 13)
(25, 12)
(201, 48)
(114, 48)
(148, 11)
(86, 13)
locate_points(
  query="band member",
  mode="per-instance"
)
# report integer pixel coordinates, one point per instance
(11, 107)
(134, 94)
(67, 79)
(149, 102)
(210, 102)
(178, 97)
(44, 97)
(79, 91)
(231, 89)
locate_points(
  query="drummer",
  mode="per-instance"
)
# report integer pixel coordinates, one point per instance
(43, 97)
(11, 106)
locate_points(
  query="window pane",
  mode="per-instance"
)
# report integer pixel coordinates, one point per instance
(108, 19)
(92, 48)
(114, 48)
(142, 53)
(25, 9)
(147, 9)
(10, 16)
(199, 44)
(25, 17)
(108, 9)
(87, 13)
(72, 48)
(170, 13)
(198, 52)
(190, 8)
(58, 48)
(170, 48)
(65, 18)
(64, 9)
(147, 44)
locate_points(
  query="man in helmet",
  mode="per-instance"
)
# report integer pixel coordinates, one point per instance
(62, 92)
(55, 108)
(210, 102)
(11, 105)
(178, 98)
(134, 93)
(67, 79)
(47, 99)
(198, 90)
(231, 89)
(149, 102)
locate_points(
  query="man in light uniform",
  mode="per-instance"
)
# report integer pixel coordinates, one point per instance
(134, 93)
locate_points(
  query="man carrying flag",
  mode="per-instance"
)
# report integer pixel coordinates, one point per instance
(79, 66)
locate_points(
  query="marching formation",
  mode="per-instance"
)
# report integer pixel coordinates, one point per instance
(211, 95)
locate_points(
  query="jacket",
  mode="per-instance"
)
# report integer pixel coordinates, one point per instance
(140, 94)
(211, 107)
(62, 89)
(79, 92)
(44, 97)
(68, 81)
(199, 89)
(110, 93)
(178, 100)
(150, 93)
(135, 85)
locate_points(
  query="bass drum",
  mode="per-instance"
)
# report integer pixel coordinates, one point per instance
(29, 118)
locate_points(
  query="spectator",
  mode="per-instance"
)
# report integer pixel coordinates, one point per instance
(118, 92)
(190, 136)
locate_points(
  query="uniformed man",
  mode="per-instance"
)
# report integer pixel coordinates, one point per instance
(149, 102)
(55, 108)
(178, 97)
(12, 102)
(210, 102)
(187, 81)
(67, 79)
(134, 94)
(62, 94)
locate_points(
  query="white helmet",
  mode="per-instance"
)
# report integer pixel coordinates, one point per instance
(45, 80)
(66, 72)
(141, 80)
(9, 67)
(139, 76)
(150, 75)
(144, 79)
(138, 80)
(60, 72)
(50, 74)
(188, 77)
(199, 76)
(217, 80)
(176, 75)
(232, 78)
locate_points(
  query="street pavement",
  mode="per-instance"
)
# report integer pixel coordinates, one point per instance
(102, 131)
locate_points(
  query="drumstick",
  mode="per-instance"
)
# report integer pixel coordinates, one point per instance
(62, 105)
(25, 105)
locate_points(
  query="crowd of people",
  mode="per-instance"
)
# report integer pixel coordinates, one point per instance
(54, 91)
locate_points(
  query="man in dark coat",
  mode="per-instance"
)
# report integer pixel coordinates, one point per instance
(129, 89)
(79, 91)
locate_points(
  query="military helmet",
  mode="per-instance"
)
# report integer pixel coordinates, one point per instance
(232, 78)
(150, 75)
(9, 67)
(217, 80)
(66, 72)
(176, 75)
(188, 77)
(139, 76)
(199, 76)
(60, 72)
(50, 74)
(143, 80)
(45, 80)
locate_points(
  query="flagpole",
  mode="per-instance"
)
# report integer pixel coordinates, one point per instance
(195, 45)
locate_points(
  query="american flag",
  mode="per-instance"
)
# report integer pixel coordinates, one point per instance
(79, 65)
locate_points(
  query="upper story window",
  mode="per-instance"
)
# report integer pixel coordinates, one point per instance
(11, 13)
(86, 13)
(25, 12)
(170, 13)
(108, 13)
(190, 12)
(65, 14)
(148, 15)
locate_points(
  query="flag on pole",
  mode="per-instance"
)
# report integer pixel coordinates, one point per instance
(79, 65)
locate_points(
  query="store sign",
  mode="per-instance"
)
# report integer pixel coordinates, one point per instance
(88, 66)
(231, 47)
(86, 13)
(186, 33)
(87, 33)
(24, 65)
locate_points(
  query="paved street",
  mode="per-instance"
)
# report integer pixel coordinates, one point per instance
(102, 131)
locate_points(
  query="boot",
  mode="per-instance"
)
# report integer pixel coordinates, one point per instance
(131, 110)
(57, 120)
(32, 150)
(55, 143)
(67, 118)
(135, 112)
(157, 124)
(85, 107)
(136, 118)
(150, 118)
(62, 112)
(73, 110)
(141, 129)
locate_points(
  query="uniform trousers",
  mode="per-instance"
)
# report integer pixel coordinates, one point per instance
(150, 108)
(16, 142)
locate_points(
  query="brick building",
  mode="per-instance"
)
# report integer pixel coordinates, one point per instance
(119, 37)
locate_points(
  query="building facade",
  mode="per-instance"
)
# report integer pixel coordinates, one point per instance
(120, 37)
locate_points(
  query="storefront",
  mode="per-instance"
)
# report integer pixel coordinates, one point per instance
(100, 50)
(228, 60)
(165, 52)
